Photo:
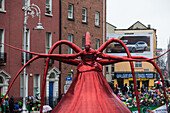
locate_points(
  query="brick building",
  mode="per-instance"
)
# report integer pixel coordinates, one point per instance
(11, 32)
(141, 40)
(77, 18)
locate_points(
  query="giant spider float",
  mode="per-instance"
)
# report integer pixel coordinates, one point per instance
(89, 91)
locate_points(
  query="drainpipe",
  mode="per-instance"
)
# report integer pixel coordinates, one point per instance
(60, 49)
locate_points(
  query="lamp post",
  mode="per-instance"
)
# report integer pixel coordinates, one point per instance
(34, 11)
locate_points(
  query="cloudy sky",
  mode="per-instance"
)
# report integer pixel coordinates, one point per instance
(124, 13)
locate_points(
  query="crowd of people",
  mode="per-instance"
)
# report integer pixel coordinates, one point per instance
(12, 106)
(147, 97)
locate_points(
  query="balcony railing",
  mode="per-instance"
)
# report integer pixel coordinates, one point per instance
(28, 57)
(3, 57)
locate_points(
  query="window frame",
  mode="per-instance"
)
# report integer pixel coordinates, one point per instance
(84, 15)
(35, 88)
(97, 43)
(97, 19)
(83, 42)
(112, 68)
(70, 50)
(2, 40)
(138, 64)
(49, 6)
(2, 7)
(48, 38)
(71, 11)
(26, 3)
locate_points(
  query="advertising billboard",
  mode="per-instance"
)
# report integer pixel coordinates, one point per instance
(138, 44)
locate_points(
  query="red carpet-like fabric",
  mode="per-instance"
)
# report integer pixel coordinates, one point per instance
(90, 93)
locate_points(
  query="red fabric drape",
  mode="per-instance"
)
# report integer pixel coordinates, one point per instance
(90, 93)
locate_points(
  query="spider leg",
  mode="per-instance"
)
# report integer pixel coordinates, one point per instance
(159, 71)
(131, 63)
(31, 60)
(73, 46)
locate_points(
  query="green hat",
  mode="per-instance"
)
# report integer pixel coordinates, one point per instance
(20, 103)
(150, 99)
(39, 105)
(2, 95)
(37, 92)
(157, 97)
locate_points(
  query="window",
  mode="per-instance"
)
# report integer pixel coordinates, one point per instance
(22, 85)
(36, 83)
(113, 69)
(83, 42)
(70, 38)
(97, 15)
(48, 42)
(84, 15)
(26, 3)
(138, 64)
(107, 69)
(70, 11)
(48, 7)
(2, 5)
(97, 43)
(1, 40)
(70, 74)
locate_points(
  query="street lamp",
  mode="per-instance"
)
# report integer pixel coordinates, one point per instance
(34, 11)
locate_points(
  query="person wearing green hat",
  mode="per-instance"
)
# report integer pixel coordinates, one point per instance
(3, 107)
(38, 107)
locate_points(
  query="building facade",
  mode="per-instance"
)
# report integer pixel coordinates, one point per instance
(168, 61)
(141, 41)
(11, 32)
(77, 18)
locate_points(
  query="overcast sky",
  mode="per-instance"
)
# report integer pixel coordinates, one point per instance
(124, 13)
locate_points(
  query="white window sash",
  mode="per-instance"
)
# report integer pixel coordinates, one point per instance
(26, 3)
(48, 42)
(84, 14)
(70, 11)
(97, 15)
(2, 5)
(70, 38)
(2, 40)
(48, 7)
(36, 85)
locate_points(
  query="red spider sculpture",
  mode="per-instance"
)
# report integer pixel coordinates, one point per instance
(89, 91)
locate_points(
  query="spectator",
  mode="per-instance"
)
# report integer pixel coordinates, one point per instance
(125, 89)
(16, 109)
(11, 104)
(142, 89)
(7, 104)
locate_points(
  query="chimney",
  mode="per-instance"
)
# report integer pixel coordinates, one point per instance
(149, 26)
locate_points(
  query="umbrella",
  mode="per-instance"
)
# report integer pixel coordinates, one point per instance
(158, 82)
(46, 108)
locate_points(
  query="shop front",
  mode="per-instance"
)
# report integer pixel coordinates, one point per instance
(146, 78)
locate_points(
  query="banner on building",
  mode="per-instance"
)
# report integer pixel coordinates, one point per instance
(138, 75)
(150, 109)
(139, 44)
